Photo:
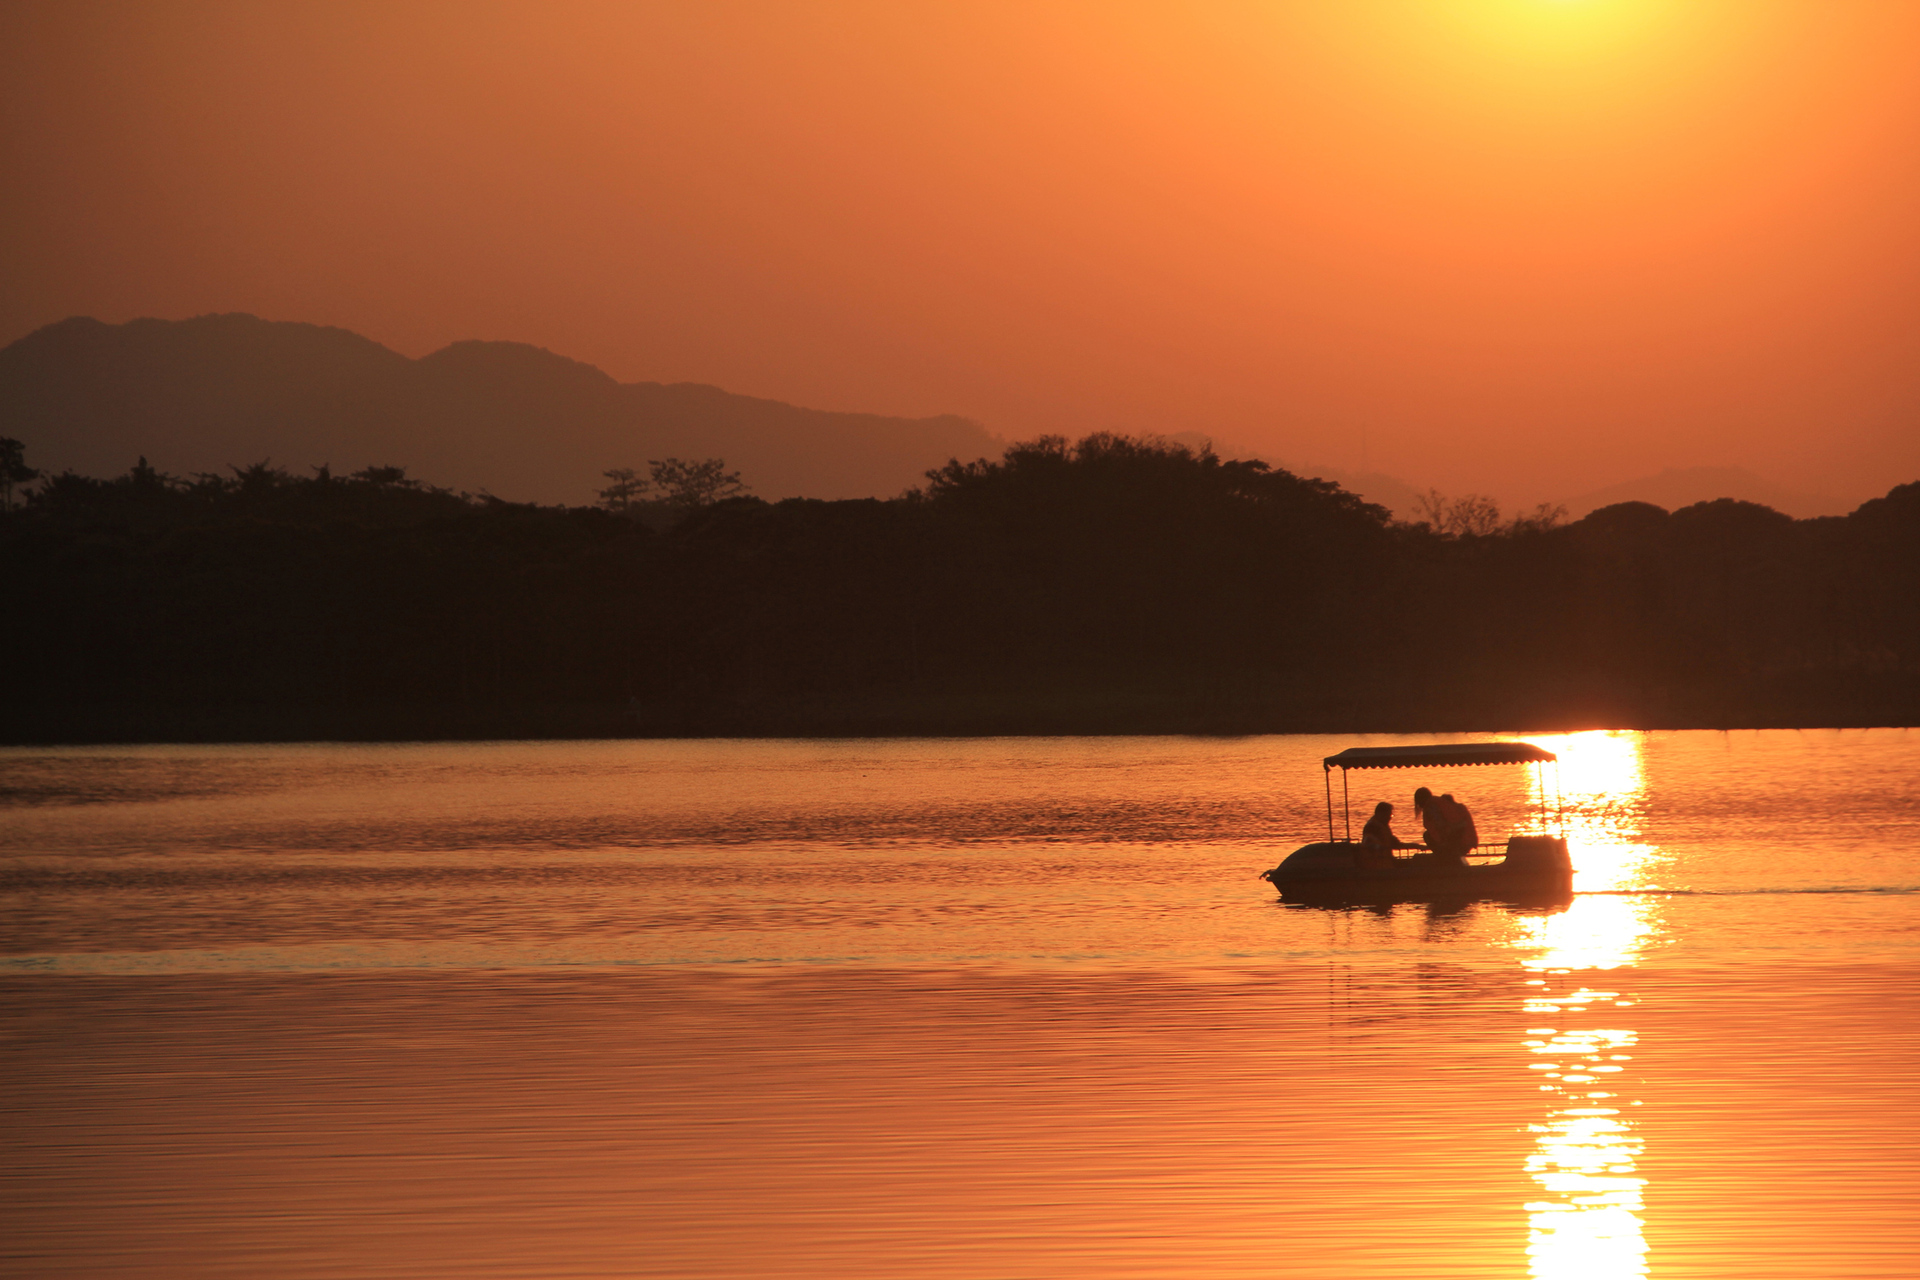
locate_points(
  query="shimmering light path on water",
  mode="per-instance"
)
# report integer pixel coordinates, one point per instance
(1589, 1221)
(948, 1009)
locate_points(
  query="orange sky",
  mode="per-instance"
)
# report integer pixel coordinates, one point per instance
(1524, 246)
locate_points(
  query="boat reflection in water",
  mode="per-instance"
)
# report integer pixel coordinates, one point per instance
(1587, 1223)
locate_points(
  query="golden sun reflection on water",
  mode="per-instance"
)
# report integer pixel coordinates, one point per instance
(1587, 1224)
(1599, 786)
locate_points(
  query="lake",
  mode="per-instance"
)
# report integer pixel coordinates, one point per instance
(969, 1008)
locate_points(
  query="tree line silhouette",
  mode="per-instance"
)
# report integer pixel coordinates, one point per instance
(1112, 584)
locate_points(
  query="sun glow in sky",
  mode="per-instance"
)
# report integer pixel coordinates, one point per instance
(1527, 247)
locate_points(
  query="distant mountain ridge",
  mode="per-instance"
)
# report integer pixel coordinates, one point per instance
(507, 418)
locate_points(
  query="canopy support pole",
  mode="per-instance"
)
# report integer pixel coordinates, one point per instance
(1560, 799)
(1346, 805)
(1326, 772)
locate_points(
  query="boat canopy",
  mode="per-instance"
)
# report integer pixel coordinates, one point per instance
(1427, 756)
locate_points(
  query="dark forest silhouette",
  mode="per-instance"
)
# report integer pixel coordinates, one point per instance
(1109, 585)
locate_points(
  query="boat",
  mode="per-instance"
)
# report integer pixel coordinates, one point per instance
(1532, 867)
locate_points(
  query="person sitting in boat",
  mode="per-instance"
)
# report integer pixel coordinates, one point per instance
(1377, 841)
(1448, 827)
(1464, 819)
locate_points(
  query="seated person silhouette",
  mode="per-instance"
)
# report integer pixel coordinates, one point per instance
(1464, 820)
(1377, 841)
(1449, 829)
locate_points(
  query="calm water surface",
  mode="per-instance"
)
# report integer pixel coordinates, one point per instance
(932, 1008)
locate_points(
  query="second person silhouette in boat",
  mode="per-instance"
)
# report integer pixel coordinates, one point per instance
(1377, 841)
(1448, 826)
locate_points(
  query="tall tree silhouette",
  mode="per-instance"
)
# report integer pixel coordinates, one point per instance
(688, 486)
(13, 470)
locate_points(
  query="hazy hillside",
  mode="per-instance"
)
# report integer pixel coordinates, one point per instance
(514, 420)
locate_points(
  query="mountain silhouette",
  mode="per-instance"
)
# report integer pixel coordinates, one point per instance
(506, 418)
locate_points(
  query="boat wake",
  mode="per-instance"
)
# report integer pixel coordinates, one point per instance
(1884, 890)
